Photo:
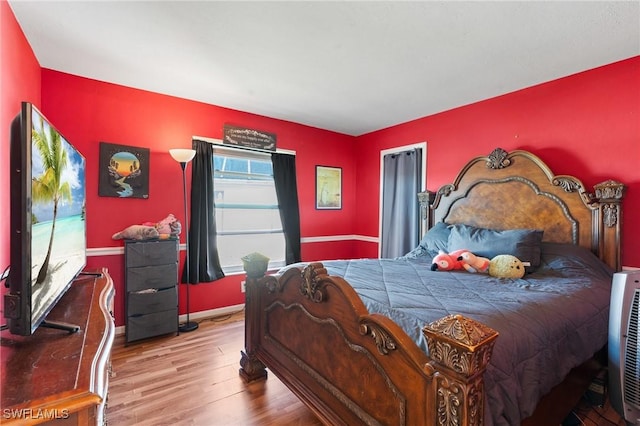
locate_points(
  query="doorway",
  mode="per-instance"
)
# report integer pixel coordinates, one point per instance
(402, 176)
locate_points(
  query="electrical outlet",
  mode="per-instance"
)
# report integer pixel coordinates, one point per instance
(243, 286)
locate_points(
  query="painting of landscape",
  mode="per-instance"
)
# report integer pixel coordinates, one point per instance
(124, 171)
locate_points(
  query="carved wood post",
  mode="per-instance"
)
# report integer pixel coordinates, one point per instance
(460, 349)
(426, 220)
(251, 368)
(609, 195)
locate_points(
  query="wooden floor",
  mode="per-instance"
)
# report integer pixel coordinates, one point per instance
(192, 379)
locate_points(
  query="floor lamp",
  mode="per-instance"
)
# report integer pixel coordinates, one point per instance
(183, 156)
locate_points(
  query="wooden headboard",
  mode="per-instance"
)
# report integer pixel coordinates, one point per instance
(517, 190)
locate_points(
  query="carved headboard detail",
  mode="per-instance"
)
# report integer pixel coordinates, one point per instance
(518, 190)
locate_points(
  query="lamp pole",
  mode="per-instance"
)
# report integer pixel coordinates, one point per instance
(183, 156)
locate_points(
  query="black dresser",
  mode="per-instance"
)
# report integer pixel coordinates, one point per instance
(151, 286)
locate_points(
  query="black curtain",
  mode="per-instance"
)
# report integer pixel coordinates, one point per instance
(284, 176)
(204, 263)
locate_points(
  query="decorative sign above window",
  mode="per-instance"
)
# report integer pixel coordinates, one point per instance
(249, 138)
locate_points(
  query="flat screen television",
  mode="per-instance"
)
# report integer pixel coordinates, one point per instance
(47, 221)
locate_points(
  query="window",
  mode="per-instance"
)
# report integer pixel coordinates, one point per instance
(247, 214)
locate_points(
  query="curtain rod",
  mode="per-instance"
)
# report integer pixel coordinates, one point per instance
(221, 143)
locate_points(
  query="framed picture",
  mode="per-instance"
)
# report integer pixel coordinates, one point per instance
(328, 188)
(124, 171)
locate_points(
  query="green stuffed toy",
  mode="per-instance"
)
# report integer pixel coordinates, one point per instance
(506, 266)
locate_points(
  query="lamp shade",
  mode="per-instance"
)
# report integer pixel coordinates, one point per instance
(182, 155)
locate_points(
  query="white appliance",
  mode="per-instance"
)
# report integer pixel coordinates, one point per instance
(624, 345)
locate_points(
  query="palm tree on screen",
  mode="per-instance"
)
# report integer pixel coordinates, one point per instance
(48, 187)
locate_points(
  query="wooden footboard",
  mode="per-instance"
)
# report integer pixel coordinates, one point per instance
(351, 367)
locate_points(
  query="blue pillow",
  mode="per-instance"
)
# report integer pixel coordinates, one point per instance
(521, 243)
(435, 239)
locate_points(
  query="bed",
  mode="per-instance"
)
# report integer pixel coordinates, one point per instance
(391, 342)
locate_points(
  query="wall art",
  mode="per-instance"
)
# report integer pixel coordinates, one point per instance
(124, 171)
(328, 188)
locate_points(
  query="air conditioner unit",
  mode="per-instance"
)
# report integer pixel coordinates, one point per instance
(624, 345)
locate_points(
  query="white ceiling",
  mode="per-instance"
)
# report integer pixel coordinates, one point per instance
(352, 67)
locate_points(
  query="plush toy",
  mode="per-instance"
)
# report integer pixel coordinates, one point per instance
(447, 261)
(473, 263)
(167, 227)
(506, 266)
(137, 232)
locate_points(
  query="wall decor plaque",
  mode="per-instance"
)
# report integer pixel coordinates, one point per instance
(249, 138)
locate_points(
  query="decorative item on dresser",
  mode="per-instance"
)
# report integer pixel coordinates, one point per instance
(388, 341)
(53, 376)
(151, 280)
(184, 156)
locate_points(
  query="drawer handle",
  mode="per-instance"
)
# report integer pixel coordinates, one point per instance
(146, 291)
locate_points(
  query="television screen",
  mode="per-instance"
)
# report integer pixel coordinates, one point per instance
(48, 224)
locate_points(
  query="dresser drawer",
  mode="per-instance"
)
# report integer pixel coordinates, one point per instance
(151, 279)
(150, 253)
(149, 302)
(145, 277)
(155, 324)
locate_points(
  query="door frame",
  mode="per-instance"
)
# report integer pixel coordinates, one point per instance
(423, 181)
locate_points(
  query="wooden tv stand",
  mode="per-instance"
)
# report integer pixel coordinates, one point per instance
(60, 377)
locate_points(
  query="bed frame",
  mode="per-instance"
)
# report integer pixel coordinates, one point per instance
(352, 367)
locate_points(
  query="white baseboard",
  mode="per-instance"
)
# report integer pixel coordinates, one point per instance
(196, 316)
(118, 251)
(211, 313)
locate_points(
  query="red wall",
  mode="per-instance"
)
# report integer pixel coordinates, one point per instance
(88, 111)
(19, 81)
(585, 125)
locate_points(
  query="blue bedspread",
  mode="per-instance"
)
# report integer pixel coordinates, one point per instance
(549, 321)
